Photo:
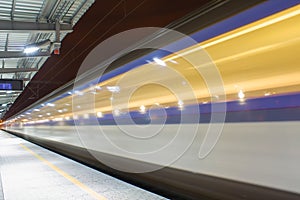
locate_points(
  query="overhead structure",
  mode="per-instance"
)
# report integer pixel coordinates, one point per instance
(32, 22)
(32, 27)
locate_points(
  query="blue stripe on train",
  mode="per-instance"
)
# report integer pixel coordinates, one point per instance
(276, 108)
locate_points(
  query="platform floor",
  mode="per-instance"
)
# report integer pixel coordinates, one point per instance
(28, 171)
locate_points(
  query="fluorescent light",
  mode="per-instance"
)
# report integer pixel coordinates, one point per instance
(58, 119)
(116, 112)
(97, 87)
(159, 61)
(78, 92)
(113, 89)
(31, 49)
(241, 94)
(173, 61)
(99, 114)
(142, 109)
(180, 104)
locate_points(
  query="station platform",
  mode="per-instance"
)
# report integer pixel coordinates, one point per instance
(28, 171)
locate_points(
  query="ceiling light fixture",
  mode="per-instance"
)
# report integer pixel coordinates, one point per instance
(31, 48)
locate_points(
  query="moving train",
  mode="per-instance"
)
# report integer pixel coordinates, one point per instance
(214, 114)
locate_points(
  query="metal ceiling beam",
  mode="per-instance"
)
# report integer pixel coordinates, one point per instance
(5, 97)
(15, 70)
(48, 7)
(32, 27)
(79, 10)
(20, 54)
(13, 10)
(26, 79)
(6, 42)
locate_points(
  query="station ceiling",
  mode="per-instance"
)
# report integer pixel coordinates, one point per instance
(25, 22)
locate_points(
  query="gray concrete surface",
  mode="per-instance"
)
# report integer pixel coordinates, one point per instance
(31, 172)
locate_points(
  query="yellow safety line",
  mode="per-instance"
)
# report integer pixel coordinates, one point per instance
(66, 175)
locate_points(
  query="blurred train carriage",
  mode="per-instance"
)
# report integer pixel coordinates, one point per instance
(255, 154)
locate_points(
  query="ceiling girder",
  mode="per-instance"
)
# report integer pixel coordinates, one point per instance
(20, 54)
(32, 27)
(15, 70)
(79, 10)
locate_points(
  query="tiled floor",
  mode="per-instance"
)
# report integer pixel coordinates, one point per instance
(31, 172)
